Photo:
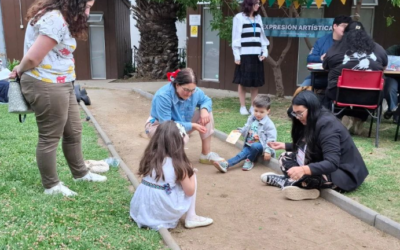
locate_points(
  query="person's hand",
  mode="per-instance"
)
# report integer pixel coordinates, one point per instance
(276, 145)
(237, 62)
(256, 137)
(296, 173)
(199, 128)
(267, 157)
(204, 117)
(262, 58)
(323, 57)
(15, 72)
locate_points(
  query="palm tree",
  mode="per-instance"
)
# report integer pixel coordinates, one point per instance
(158, 45)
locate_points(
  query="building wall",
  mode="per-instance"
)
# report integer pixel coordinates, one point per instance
(117, 35)
(289, 65)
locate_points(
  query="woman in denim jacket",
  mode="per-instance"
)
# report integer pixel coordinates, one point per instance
(181, 101)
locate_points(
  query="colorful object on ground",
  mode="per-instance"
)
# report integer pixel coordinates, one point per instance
(172, 75)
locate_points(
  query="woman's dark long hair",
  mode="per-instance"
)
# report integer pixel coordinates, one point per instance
(166, 142)
(247, 7)
(314, 110)
(73, 12)
(357, 40)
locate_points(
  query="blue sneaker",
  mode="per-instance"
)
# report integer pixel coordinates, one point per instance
(222, 166)
(248, 165)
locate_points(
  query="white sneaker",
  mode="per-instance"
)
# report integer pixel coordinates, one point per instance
(251, 110)
(210, 158)
(60, 189)
(92, 177)
(243, 110)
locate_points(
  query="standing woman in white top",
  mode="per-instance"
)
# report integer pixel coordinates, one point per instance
(249, 45)
(46, 72)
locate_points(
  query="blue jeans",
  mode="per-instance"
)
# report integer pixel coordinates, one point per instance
(391, 88)
(248, 152)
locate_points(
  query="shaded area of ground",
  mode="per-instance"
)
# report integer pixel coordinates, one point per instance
(247, 214)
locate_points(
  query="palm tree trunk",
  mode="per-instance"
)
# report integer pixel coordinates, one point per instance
(158, 45)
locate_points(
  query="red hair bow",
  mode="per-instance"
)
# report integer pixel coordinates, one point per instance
(172, 75)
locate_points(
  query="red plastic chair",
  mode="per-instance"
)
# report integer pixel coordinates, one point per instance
(368, 86)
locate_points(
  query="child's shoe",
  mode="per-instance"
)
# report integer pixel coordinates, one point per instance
(222, 166)
(298, 194)
(210, 158)
(248, 165)
(198, 222)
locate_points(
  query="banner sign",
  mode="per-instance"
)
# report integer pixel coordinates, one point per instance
(297, 27)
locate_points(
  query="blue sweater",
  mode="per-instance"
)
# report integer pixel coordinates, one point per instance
(321, 46)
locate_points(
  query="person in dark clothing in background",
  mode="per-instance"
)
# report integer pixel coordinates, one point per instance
(4, 91)
(323, 44)
(391, 88)
(356, 51)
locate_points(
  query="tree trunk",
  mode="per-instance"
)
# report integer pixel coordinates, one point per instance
(276, 64)
(158, 45)
(357, 16)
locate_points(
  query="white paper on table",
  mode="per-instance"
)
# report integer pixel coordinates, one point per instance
(315, 66)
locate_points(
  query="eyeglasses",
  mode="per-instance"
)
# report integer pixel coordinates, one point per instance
(188, 90)
(299, 114)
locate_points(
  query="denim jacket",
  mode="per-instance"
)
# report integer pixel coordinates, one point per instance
(166, 106)
(266, 132)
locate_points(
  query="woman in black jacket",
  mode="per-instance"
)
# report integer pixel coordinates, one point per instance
(322, 155)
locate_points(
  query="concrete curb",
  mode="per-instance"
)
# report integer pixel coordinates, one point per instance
(352, 207)
(165, 234)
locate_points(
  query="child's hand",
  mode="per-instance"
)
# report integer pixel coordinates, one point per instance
(267, 157)
(256, 137)
(276, 145)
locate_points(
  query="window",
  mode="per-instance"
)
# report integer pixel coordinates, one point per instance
(367, 2)
(210, 45)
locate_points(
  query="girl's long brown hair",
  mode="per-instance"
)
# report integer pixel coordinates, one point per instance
(73, 12)
(166, 142)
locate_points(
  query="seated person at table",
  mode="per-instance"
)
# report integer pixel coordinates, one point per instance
(391, 88)
(322, 45)
(356, 51)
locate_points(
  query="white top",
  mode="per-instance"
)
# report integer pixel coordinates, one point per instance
(58, 66)
(154, 208)
(248, 37)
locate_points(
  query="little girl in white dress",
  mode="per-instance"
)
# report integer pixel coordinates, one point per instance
(168, 188)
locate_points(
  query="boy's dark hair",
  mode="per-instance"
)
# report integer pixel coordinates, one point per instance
(262, 101)
(341, 19)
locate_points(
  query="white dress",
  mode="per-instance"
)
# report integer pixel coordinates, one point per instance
(154, 208)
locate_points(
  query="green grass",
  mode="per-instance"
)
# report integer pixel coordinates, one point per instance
(382, 186)
(98, 218)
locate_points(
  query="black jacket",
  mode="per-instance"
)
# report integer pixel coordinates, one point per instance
(334, 153)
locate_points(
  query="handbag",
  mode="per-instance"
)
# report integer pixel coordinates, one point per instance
(16, 101)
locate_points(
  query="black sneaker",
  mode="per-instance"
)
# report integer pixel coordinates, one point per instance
(273, 179)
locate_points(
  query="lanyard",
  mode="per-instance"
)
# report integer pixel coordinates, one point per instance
(254, 25)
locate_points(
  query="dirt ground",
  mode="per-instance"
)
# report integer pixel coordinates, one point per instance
(246, 213)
